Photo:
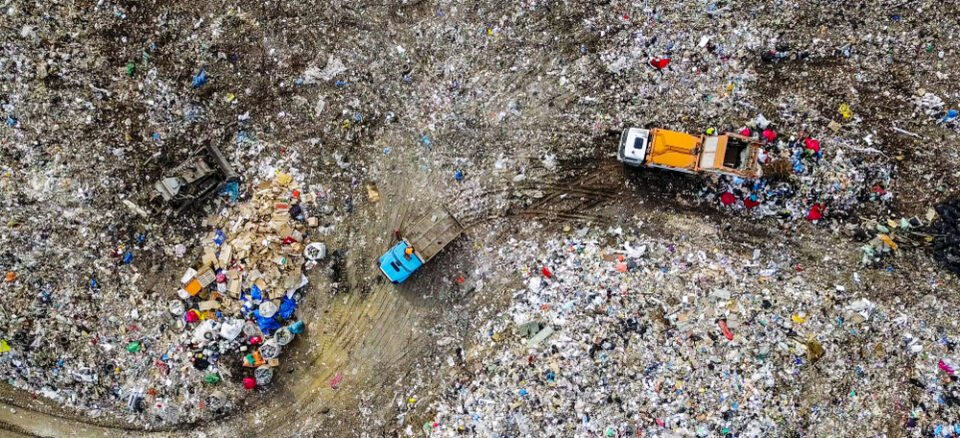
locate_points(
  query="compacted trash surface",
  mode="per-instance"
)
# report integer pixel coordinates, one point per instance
(195, 197)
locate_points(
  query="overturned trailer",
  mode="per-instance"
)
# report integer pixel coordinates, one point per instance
(201, 175)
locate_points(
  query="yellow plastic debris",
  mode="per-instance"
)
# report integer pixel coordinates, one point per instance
(814, 350)
(797, 319)
(845, 111)
(4, 347)
(284, 178)
(372, 193)
(886, 239)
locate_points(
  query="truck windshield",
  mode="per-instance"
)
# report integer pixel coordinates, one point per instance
(638, 143)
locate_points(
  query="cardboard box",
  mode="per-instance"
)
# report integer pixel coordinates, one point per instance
(206, 277)
(226, 252)
(208, 305)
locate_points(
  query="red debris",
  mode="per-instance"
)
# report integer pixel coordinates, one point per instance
(769, 135)
(727, 198)
(249, 383)
(816, 212)
(745, 132)
(335, 382)
(812, 144)
(546, 272)
(726, 331)
(660, 63)
(750, 203)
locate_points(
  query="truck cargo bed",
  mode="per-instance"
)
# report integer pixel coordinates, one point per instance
(431, 232)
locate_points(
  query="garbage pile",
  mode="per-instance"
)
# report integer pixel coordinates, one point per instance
(650, 337)
(947, 231)
(886, 239)
(799, 182)
(242, 295)
(936, 109)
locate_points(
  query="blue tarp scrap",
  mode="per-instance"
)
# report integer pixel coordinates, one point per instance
(267, 325)
(231, 189)
(200, 79)
(255, 293)
(287, 307)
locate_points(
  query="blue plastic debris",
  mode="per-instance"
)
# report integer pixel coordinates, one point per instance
(951, 115)
(200, 79)
(128, 257)
(255, 293)
(219, 238)
(231, 189)
(426, 139)
(340, 84)
(297, 327)
(267, 325)
(287, 307)
(458, 176)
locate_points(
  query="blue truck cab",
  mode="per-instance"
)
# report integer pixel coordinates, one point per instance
(397, 265)
(424, 239)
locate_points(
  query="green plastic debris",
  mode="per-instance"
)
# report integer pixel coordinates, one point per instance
(133, 347)
(131, 69)
(211, 378)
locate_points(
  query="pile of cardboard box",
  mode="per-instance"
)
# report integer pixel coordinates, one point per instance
(250, 269)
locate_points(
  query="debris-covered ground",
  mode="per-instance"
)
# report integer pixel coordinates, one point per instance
(585, 298)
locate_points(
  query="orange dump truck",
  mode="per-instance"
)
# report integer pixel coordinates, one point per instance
(728, 154)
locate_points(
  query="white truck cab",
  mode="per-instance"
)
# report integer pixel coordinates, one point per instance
(633, 146)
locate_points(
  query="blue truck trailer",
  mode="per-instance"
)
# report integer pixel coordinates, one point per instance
(420, 242)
